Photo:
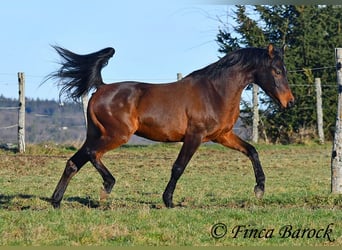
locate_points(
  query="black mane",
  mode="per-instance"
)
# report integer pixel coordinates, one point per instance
(246, 59)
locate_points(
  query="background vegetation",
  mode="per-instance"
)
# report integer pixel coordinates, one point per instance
(311, 33)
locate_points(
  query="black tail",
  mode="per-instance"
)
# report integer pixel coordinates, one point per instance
(80, 73)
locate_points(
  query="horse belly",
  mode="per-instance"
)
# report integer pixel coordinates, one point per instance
(161, 129)
(162, 112)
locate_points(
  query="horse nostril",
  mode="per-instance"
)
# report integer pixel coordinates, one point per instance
(290, 104)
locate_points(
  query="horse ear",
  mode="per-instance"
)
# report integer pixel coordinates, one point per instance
(270, 49)
(283, 48)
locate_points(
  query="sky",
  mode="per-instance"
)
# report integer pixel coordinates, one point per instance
(154, 40)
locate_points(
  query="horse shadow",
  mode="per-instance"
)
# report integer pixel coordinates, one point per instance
(21, 202)
(7, 202)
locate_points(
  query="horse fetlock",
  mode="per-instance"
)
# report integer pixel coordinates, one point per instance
(55, 204)
(108, 186)
(167, 198)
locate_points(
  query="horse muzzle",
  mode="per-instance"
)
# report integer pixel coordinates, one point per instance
(287, 100)
(291, 103)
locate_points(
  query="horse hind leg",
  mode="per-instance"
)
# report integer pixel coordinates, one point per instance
(73, 165)
(77, 161)
(108, 178)
(100, 147)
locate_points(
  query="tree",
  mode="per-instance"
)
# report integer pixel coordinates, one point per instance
(311, 33)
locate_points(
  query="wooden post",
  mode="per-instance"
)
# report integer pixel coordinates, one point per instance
(85, 107)
(21, 113)
(179, 76)
(336, 156)
(319, 110)
(255, 132)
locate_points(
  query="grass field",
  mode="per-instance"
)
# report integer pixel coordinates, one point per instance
(217, 187)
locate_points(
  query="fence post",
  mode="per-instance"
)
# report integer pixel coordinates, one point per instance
(336, 156)
(319, 110)
(255, 132)
(21, 113)
(85, 107)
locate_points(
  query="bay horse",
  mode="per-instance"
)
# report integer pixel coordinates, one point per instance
(201, 107)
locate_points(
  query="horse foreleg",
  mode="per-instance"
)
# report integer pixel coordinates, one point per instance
(233, 141)
(190, 145)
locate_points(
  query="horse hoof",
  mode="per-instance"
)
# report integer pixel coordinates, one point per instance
(170, 205)
(55, 205)
(108, 186)
(259, 192)
(103, 194)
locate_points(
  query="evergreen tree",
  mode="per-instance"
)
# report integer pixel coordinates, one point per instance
(311, 33)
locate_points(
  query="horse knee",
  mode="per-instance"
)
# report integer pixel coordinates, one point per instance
(177, 171)
(252, 153)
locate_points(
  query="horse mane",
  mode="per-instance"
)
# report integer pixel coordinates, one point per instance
(245, 58)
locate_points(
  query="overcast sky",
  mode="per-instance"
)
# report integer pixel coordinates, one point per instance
(153, 39)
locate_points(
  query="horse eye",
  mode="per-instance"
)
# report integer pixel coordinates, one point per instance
(278, 72)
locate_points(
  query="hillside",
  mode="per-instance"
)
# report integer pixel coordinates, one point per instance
(46, 120)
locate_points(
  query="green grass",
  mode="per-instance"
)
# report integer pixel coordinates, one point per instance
(217, 186)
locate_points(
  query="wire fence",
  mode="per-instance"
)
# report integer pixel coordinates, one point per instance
(9, 125)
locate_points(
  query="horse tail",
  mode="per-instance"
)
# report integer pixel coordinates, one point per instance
(80, 73)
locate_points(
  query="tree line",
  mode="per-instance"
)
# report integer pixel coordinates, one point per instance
(311, 33)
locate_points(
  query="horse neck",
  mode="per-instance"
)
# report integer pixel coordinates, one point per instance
(232, 82)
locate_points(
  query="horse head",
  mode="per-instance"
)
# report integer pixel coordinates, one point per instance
(272, 77)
